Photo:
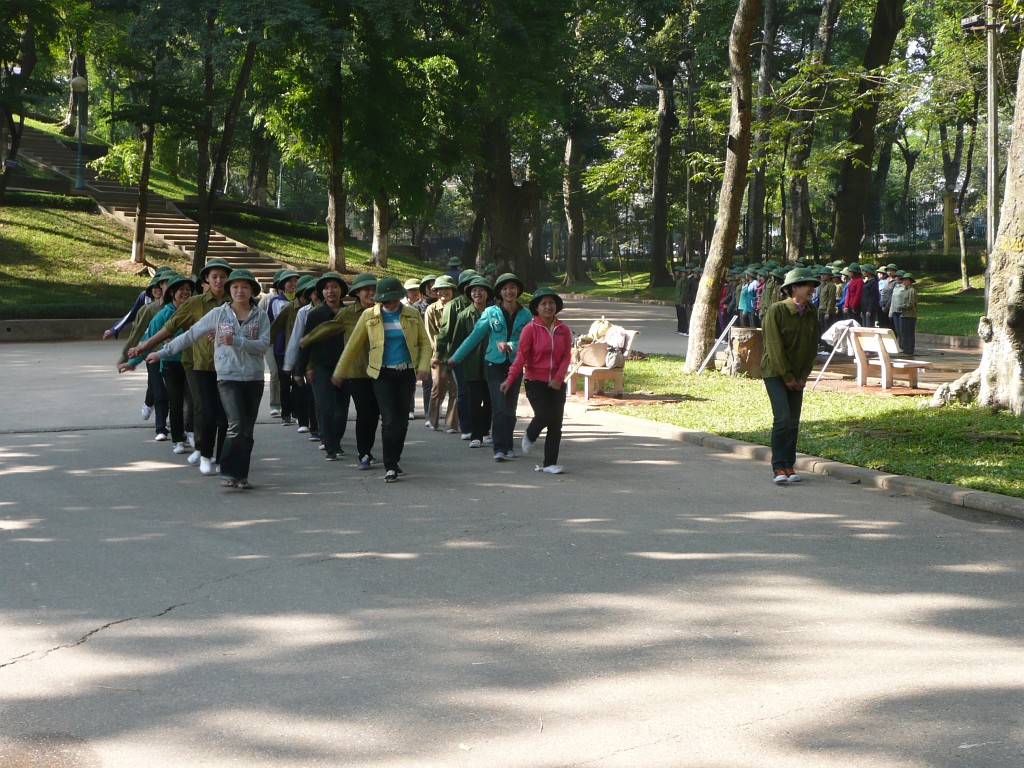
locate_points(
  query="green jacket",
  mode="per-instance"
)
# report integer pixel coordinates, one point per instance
(473, 361)
(142, 320)
(827, 298)
(443, 345)
(772, 294)
(188, 314)
(790, 341)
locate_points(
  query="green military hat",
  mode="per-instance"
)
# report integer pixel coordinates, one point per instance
(306, 283)
(445, 281)
(247, 276)
(540, 294)
(173, 281)
(362, 280)
(481, 282)
(319, 285)
(214, 263)
(799, 276)
(389, 289)
(505, 279)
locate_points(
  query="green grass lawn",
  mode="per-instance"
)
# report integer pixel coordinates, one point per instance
(63, 263)
(970, 447)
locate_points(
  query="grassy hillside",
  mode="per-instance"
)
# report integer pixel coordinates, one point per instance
(67, 263)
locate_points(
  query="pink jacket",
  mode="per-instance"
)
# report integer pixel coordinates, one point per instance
(544, 354)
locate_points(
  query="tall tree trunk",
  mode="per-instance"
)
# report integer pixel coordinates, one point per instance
(336, 200)
(381, 227)
(258, 183)
(76, 62)
(218, 160)
(509, 208)
(965, 281)
(664, 76)
(142, 204)
(759, 156)
(909, 161)
(1001, 371)
(879, 180)
(471, 247)
(851, 197)
(12, 129)
(572, 199)
(723, 243)
(423, 222)
(802, 135)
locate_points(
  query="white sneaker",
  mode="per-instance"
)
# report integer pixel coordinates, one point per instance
(449, 431)
(179, 448)
(488, 440)
(428, 425)
(466, 435)
(527, 445)
(161, 437)
(147, 411)
(275, 413)
(510, 454)
(193, 458)
(302, 430)
(475, 443)
(412, 416)
(206, 466)
(499, 456)
(191, 438)
(793, 477)
(551, 469)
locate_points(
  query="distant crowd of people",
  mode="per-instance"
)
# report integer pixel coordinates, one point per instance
(882, 296)
(466, 337)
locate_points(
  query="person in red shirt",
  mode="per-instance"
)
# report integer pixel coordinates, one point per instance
(854, 291)
(545, 348)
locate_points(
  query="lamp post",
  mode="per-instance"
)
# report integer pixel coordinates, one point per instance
(80, 86)
(991, 27)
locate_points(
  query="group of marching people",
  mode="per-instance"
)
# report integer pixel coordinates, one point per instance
(468, 340)
(872, 296)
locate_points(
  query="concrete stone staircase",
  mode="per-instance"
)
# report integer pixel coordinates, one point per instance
(165, 223)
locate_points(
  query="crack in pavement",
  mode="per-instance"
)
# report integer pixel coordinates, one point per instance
(36, 655)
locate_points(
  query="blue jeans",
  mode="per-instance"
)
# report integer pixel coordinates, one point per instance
(503, 405)
(786, 405)
(241, 401)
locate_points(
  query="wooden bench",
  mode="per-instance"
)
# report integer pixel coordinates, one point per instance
(600, 376)
(877, 348)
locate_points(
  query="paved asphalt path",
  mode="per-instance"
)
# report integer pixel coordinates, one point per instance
(658, 605)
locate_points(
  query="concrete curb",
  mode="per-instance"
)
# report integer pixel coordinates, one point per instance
(982, 501)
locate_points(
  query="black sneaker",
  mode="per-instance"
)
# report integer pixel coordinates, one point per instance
(331, 457)
(391, 476)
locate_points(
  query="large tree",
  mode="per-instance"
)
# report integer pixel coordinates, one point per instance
(727, 227)
(855, 179)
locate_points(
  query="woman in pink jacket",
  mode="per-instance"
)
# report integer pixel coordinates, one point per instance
(545, 347)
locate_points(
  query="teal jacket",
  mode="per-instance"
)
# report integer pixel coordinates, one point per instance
(156, 324)
(493, 327)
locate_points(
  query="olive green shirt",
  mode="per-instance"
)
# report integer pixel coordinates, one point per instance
(189, 314)
(142, 320)
(790, 341)
(443, 345)
(771, 294)
(827, 298)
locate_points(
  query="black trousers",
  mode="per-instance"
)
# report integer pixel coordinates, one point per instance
(367, 414)
(332, 409)
(393, 390)
(213, 427)
(786, 406)
(548, 411)
(179, 400)
(479, 409)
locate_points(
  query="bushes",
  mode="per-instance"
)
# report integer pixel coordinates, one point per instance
(45, 200)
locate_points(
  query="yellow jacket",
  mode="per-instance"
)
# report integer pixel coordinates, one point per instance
(368, 336)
